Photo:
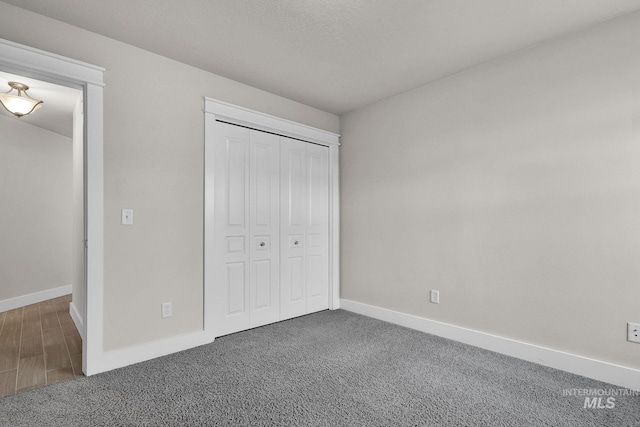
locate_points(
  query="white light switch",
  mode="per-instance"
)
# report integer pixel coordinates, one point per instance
(127, 217)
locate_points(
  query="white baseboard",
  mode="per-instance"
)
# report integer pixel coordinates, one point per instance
(120, 358)
(10, 304)
(590, 368)
(77, 319)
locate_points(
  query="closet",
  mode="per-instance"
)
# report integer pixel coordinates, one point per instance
(267, 226)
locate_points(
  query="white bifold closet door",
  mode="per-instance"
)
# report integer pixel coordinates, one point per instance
(246, 229)
(304, 230)
(271, 228)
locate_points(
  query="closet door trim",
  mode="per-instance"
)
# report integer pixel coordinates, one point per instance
(218, 111)
(241, 116)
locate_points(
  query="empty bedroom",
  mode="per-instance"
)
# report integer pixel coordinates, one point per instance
(337, 213)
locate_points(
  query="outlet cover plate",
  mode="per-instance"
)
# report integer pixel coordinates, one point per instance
(435, 296)
(167, 309)
(126, 217)
(633, 332)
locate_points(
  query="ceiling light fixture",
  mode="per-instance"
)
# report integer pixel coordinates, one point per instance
(19, 104)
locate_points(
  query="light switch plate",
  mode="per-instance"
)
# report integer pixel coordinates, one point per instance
(126, 217)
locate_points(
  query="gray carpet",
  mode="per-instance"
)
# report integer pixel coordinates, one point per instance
(325, 369)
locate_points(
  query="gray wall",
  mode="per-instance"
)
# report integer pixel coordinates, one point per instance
(153, 163)
(514, 189)
(35, 197)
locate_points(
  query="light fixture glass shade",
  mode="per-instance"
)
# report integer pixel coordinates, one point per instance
(17, 101)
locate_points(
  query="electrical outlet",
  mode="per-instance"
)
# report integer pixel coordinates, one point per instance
(126, 217)
(633, 332)
(167, 309)
(435, 296)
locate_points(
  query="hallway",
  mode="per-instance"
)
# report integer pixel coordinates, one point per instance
(39, 345)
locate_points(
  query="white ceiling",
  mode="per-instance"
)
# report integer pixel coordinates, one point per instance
(336, 55)
(56, 112)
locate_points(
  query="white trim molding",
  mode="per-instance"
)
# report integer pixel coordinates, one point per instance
(241, 116)
(34, 62)
(34, 298)
(77, 319)
(334, 228)
(596, 369)
(93, 320)
(141, 353)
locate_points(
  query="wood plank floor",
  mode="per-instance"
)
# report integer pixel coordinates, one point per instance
(39, 345)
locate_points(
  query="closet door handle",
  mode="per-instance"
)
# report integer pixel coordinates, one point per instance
(296, 243)
(262, 244)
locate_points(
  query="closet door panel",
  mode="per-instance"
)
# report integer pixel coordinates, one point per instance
(293, 212)
(236, 288)
(263, 285)
(315, 263)
(231, 219)
(318, 228)
(236, 178)
(294, 185)
(264, 228)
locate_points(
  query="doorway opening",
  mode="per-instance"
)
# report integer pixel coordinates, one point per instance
(42, 260)
(51, 68)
